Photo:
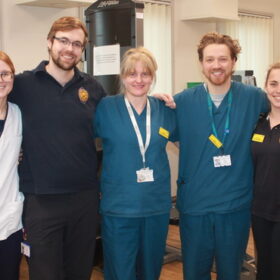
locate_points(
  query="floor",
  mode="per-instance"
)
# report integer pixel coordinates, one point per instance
(170, 271)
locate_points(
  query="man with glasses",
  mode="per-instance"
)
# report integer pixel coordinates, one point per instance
(58, 170)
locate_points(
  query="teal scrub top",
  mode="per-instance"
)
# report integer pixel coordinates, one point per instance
(202, 188)
(121, 195)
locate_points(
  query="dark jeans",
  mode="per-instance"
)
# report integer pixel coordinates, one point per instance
(61, 231)
(267, 239)
(10, 256)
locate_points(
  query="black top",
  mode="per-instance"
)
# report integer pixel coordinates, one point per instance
(58, 145)
(2, 122)
(266, 155)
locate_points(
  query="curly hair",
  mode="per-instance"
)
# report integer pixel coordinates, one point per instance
(216, 38)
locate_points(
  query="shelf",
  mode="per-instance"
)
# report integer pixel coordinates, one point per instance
(56, 3)
(211, 18)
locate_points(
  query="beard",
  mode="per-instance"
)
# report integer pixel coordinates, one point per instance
(60, 63)
(218, 81)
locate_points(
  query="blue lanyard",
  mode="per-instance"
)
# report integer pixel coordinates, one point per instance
(210, 107)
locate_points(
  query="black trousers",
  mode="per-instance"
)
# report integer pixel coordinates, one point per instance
(267, 238)
(61, 232)
(10, 256)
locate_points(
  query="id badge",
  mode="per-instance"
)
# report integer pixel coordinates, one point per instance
(145, 175)
(258, 138)
(222, 161)
(215, 141)
(25, 249)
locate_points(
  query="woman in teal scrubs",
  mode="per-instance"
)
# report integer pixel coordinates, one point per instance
(135, 181)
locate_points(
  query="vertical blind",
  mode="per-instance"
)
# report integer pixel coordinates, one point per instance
(157, 39)
(255, 35)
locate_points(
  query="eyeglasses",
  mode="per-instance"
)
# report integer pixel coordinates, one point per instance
(6, 76)
(65, 42)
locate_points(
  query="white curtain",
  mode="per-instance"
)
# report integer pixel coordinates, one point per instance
(157, 39)
(255, 35)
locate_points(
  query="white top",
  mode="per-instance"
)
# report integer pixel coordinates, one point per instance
(11, 200)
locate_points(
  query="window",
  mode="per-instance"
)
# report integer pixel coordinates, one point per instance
(255, 35)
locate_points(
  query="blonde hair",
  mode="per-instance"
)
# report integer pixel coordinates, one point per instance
(131, 57)
(272, 67)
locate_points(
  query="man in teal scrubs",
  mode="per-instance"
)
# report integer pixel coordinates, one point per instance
(215, 122)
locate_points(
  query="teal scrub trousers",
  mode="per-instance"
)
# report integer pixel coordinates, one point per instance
(133, 248)
(209, 237)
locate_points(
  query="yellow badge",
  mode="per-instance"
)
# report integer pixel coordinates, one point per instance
(258, 138)
(83, 95)
(163, 132)
(216, 142)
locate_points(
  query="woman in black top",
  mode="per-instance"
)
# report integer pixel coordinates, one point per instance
(266, 202)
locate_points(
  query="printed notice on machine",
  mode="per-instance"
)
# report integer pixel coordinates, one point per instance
(106, 60)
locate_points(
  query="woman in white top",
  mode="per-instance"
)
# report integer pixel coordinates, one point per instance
(11, 200)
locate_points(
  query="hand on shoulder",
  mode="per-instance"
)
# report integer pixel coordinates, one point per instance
(167, 98)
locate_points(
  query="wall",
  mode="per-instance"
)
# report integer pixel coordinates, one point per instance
(24, 31)
(186, 35)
